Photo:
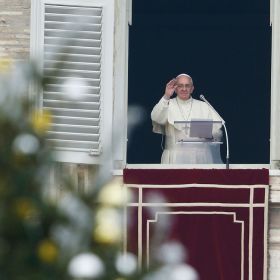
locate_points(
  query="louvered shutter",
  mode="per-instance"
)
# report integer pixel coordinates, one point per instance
(72, 44)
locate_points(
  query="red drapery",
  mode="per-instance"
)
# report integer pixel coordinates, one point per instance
(219, 216)
(198, 176)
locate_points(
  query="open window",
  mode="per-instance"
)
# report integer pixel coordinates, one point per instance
(226, 48)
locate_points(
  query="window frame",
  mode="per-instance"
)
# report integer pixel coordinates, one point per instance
(275, 85)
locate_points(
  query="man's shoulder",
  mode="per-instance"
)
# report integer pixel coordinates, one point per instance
(195, 101)
(200, 105)
(172, 100)
(198, 102)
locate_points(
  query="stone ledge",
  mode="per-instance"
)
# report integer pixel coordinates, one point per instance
(274, 196)
(274, 258)
(274, 236)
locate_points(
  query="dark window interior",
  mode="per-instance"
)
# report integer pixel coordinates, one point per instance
(225, 46)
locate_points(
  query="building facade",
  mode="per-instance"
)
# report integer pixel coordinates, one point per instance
(20, 18)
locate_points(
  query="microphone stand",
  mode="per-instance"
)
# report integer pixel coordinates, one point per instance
(224, 125)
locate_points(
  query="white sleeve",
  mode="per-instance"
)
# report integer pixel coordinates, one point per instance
(160, 112)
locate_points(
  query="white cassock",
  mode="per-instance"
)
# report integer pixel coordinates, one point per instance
(163, 116)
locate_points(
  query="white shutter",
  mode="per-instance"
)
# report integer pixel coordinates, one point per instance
(72, 44)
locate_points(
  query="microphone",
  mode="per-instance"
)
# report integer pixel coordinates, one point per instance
(223, 123)
(205, 100)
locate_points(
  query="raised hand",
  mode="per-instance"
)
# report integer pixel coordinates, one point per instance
(170, 88)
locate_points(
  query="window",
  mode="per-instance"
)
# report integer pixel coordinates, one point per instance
(225, 46)
(74, 41)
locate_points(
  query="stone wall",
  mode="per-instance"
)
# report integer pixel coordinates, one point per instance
(274, 229)
(14, 29)
(14, 43)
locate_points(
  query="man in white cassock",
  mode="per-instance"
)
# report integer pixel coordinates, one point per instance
(184, 108)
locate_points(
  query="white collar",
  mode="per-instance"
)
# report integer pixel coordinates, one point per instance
(183, 102)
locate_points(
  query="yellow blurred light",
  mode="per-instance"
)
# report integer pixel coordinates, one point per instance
(107, 234)
(108, 229)
(41, 121)
(25, 208)
(47, 251)
(5, 64)
(113, 193)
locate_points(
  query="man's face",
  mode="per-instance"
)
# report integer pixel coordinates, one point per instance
(184, 87)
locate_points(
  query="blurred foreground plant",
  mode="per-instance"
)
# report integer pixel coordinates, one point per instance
(76, 236)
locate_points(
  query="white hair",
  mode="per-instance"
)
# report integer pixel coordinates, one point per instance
(183, 74)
